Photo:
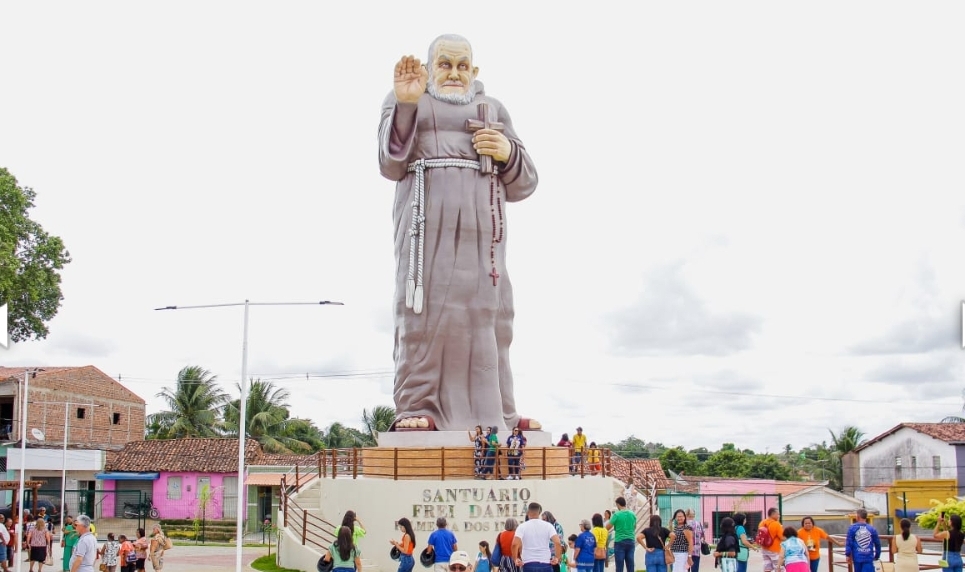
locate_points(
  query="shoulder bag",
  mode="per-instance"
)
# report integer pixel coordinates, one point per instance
(599, 553)
(667, 554)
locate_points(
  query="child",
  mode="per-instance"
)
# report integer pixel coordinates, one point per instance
(483, 558)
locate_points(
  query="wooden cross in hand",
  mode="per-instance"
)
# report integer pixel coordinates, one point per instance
(473, 125)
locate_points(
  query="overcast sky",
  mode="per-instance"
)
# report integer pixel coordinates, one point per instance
(749, 225)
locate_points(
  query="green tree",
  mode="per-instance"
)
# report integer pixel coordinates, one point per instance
(194, 407)
(846, 440)
(702, 453)
(725, 464)
(767, 467)
(378, 421)
(267, 419)
(338, 436)
(679, 461)
(30, 264)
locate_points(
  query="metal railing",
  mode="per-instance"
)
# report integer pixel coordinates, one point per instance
(842, 562)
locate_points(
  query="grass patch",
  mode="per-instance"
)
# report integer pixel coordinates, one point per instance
(267, 564)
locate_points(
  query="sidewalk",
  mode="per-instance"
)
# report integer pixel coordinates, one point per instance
(188, 559)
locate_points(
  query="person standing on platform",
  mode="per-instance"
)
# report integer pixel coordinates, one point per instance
(579, 448)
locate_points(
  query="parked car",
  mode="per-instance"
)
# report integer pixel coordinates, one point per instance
(50, 505)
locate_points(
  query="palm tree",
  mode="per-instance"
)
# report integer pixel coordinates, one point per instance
(267, 419)
(379, 421)
(338, 436)
(847, 439)
(194, 406)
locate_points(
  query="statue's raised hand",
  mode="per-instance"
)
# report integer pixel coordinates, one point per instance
(410, 80)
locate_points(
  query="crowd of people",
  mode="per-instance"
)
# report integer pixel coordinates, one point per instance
(80, 547)
(538, 544)
(584, 456)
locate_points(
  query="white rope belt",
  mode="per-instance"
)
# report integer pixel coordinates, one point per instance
(417, 229)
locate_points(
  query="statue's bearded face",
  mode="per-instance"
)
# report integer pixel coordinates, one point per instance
(452, 76)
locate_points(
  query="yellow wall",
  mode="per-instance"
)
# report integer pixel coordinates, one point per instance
(919, 493)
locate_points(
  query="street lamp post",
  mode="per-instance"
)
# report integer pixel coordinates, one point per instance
(23, 462)
(242, 414)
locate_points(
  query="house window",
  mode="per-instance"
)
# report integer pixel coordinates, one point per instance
(117, 419)
(174, 488)
(936, 464)
(914, 463)
(203, 482)
(81, 412)
(897, 467)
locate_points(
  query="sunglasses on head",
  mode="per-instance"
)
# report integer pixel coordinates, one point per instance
(457, 567)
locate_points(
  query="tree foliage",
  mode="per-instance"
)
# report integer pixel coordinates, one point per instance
(30, 264)
(679, 461)
(725, 463)
(194, 407)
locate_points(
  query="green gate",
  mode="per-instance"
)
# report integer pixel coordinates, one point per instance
(710, 509)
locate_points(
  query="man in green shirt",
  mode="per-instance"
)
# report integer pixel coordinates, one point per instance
(624, 526)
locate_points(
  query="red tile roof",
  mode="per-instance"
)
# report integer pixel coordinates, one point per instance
(182, 456)
(948, 432)
(652, 469)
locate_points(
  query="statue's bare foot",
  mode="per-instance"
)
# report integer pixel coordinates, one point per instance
(417, 423)
(530, 424)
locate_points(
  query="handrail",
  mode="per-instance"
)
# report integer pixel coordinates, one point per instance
(885, 546)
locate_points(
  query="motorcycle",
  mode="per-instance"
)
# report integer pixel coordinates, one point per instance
(141, 510)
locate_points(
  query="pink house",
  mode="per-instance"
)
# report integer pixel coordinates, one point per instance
(184, 478)
(715, 498)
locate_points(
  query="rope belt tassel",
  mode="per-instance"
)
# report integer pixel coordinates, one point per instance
(414, 291)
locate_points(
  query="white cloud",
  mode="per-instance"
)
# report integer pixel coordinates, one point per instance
(756, 198)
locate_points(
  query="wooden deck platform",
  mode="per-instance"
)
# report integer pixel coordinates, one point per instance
(458, 463)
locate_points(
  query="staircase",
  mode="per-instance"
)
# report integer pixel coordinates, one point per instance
(639, 488)
(306, 532)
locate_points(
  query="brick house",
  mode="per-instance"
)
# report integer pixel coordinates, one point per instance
(101, 415)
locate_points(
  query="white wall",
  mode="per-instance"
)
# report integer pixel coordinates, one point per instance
(476, 510)
(53, 459)
(819, 502)
(877, 462)
(875, 501)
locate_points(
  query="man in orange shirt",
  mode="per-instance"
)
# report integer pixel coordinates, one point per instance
(772, 551)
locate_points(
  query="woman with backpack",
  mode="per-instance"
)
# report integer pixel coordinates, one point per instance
(159, 544)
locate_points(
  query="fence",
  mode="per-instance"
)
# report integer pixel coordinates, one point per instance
(115, 510)
(712, 508)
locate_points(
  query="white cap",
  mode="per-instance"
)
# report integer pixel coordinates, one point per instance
(460, 557)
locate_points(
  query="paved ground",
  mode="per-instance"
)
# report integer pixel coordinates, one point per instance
(189, 559)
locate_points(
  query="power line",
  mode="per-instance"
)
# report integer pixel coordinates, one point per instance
(385, 373)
